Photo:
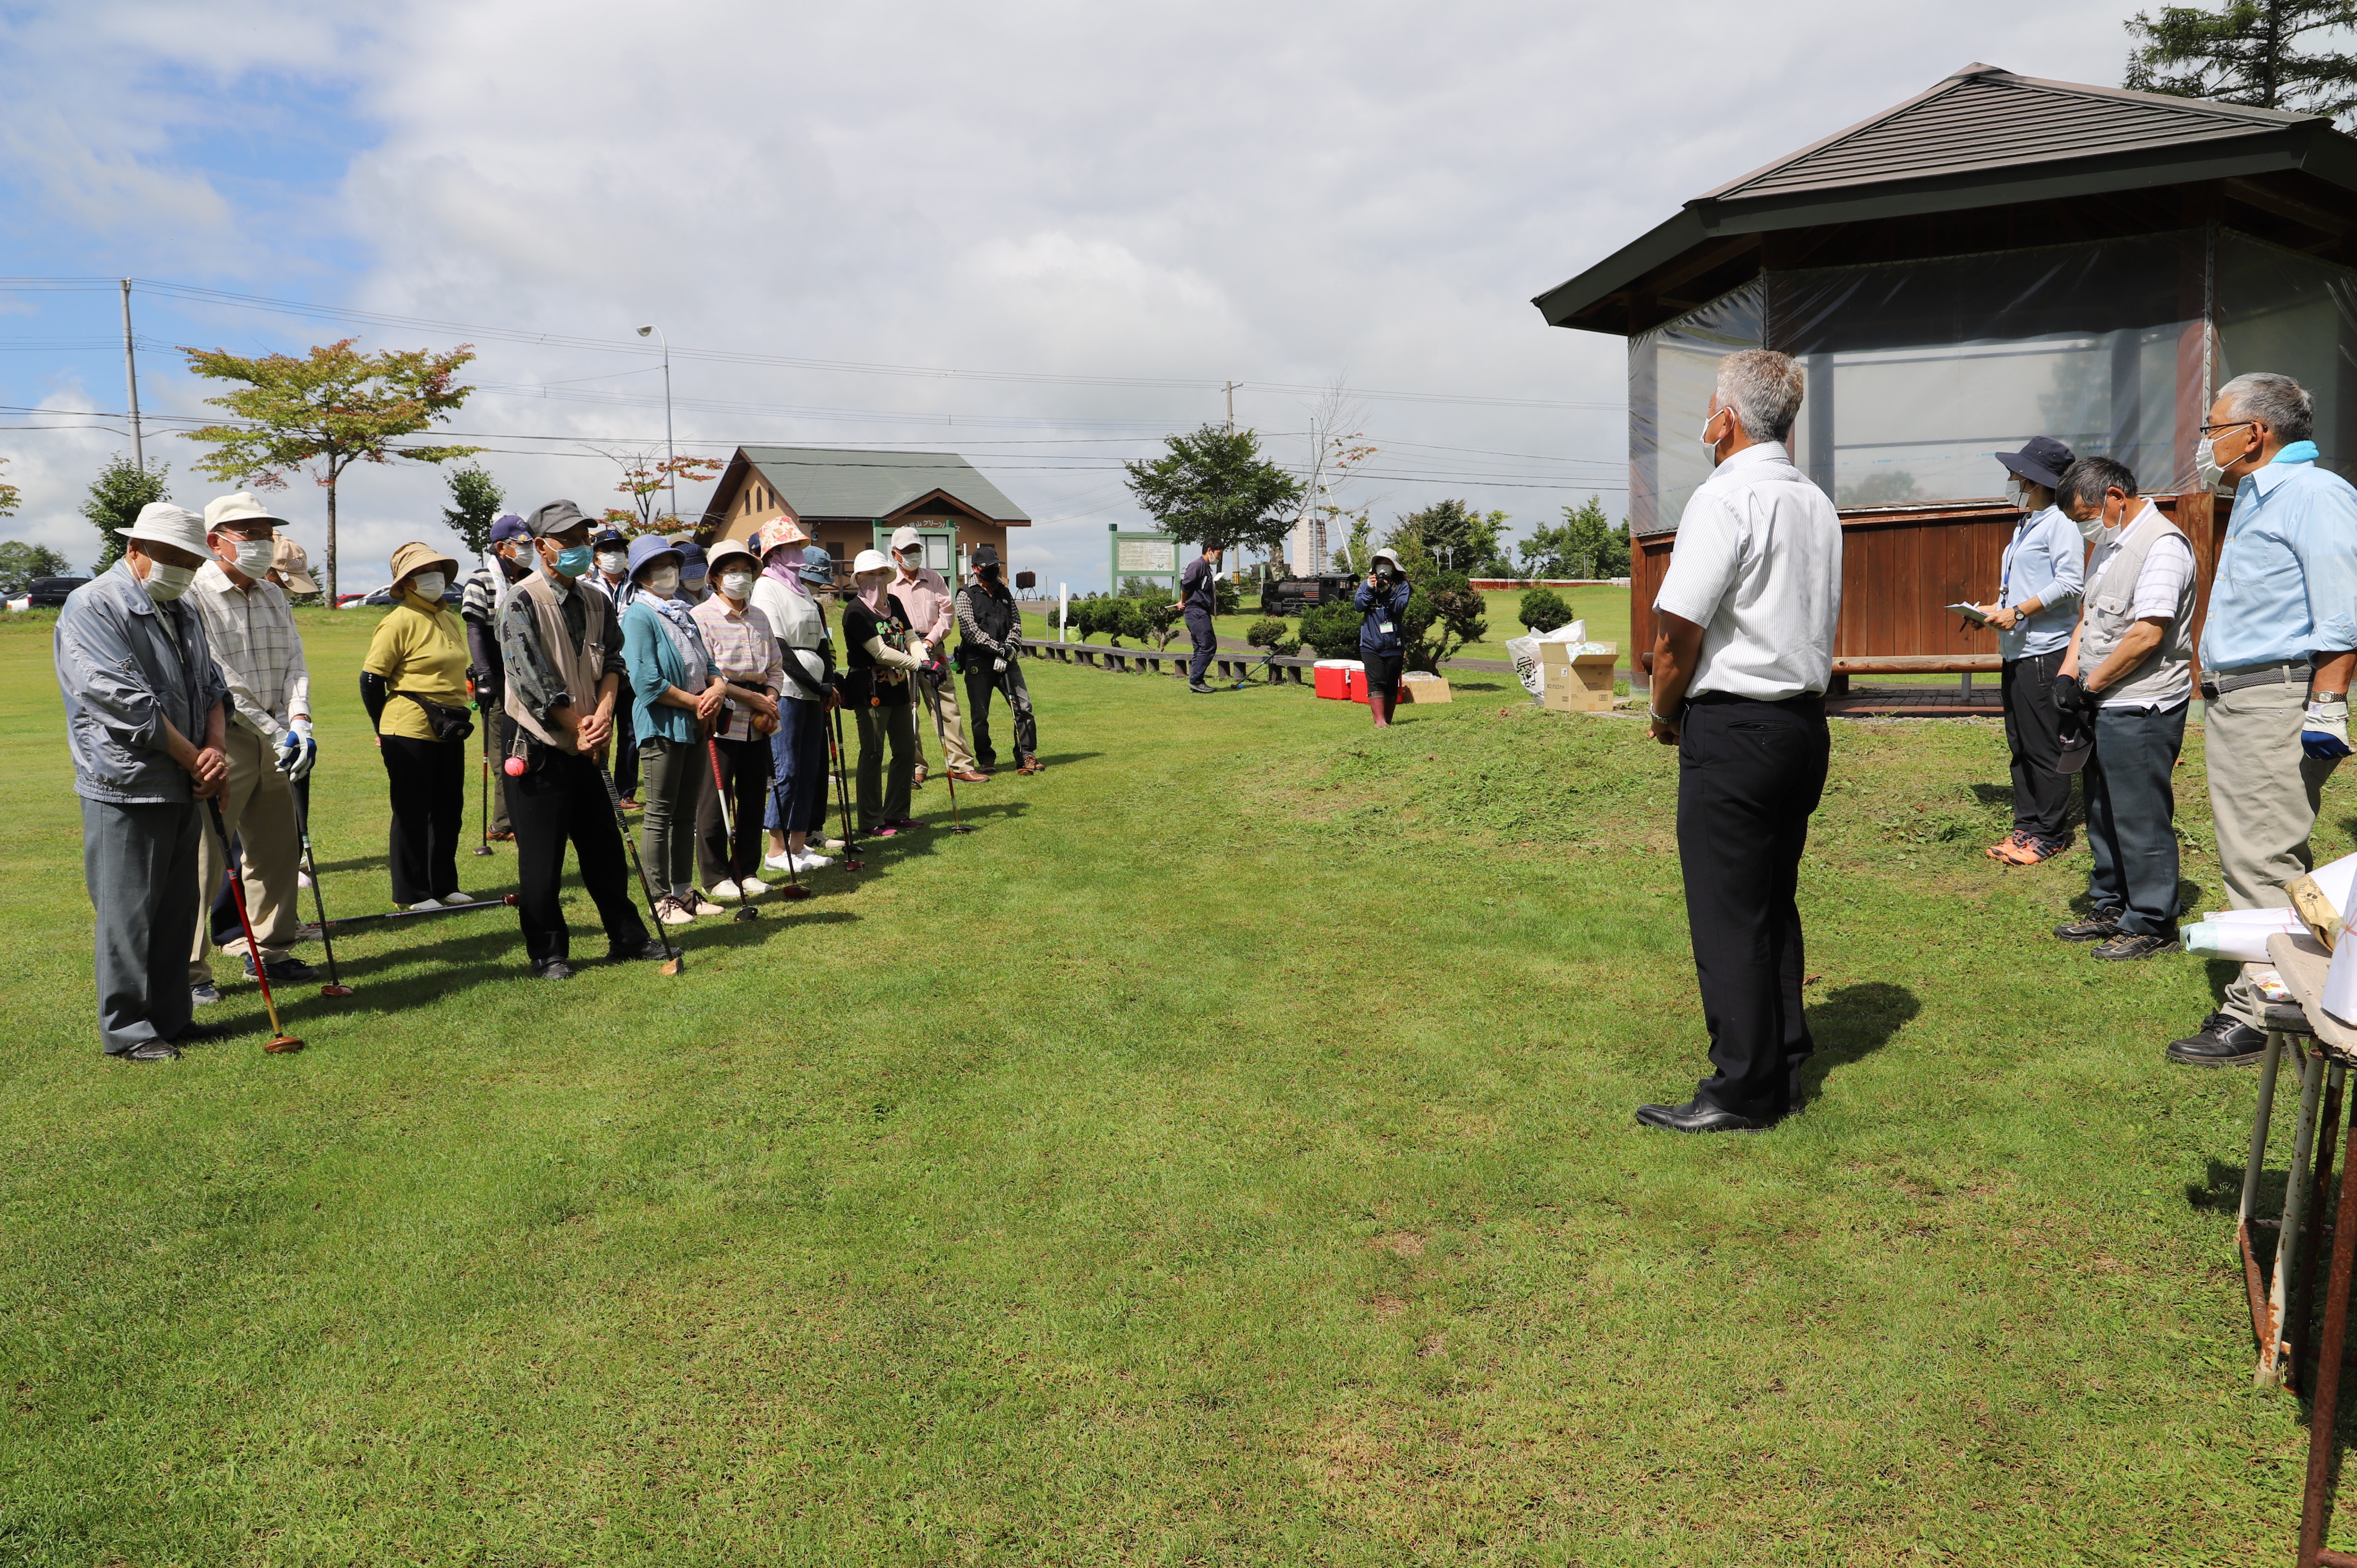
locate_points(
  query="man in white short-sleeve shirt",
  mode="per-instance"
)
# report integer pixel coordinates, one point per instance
(1744, 653)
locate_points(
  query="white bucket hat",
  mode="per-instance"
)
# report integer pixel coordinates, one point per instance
(161, 522)
(222, 511)
(904, 538)
(869, 561)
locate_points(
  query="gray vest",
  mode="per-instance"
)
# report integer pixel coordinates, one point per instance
(2165, 675)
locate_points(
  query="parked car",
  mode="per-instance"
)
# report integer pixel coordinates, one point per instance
(47, 593)
(1291, 596)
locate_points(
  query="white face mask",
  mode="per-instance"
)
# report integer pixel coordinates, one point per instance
(613, 560)
(2092, 528)
(2015, 496)
(428, 584)
(164, 584)
(2212, 473)
(254, 555)
(736, 584)
(665, 580)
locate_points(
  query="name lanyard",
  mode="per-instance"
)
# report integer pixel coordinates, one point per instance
(2004, 579)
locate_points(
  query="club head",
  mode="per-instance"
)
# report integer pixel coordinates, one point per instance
(853, 862)
(961, 828)
(481, 849)
(677, 964)
(794, 890)
(336, 992)
(746, 912)
(279, 1045)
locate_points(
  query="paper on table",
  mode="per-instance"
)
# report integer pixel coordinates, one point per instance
(2244, 941)
(2340, 996)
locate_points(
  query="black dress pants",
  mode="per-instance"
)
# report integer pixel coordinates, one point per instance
(1749, 775)
(428, 781)
(1206, 639)
(979, 685)
(562, 801)
(745, 771)
(2033, 734)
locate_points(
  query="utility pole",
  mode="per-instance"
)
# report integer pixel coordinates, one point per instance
(1232, 400)
(131, 379)
(670, 452)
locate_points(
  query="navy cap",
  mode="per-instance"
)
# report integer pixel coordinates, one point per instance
(508, 526)
(691, 558)
(817, 566)
(607, 535)
(2042, 459)
(983, 555)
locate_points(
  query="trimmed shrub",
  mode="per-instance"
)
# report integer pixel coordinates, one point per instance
(1544, 611)
(1332, 630)
(1274, 635)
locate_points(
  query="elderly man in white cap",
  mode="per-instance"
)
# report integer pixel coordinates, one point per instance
(925, 599)
(146, 717)
(269, 742)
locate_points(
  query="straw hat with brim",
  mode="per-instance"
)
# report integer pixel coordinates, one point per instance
(777, 531)
(286, 559)
(161, 522)
(417, 558)
(222, 511)
(868, 561)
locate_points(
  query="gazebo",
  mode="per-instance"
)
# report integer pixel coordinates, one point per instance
(1995, 258)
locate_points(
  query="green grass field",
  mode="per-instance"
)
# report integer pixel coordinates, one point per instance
(1223, 1156)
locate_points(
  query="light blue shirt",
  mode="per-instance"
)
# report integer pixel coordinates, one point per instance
(2286, 587)
(2047, 561)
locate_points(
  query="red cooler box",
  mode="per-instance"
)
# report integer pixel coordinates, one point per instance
(1343, 679)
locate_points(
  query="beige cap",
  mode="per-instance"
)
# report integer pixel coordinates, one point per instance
(161, 522)
(221, 511)
(904, 538)
(417, 558)
(286, 559)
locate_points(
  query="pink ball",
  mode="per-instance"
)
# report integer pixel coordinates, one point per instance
(514, 766)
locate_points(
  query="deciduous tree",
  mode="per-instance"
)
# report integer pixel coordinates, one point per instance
(326, 411)
(21, 562)
(10, 497)
(1214, 484)
(475, 501)
(114, 500)
(2246, 52)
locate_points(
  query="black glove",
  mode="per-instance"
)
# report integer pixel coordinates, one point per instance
(2068, 698)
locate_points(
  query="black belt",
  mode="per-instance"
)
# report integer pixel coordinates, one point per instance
(1803, 703)
(2264, 675)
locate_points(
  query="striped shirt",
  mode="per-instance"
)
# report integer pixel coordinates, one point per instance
(746, 652)
(251, 633)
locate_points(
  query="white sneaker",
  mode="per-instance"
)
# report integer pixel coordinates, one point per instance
(671, 912)
(775, 862)
(810, 860)
(727, 890)
(425, 903)
(754, 886)
(457, 898)
(830, 844)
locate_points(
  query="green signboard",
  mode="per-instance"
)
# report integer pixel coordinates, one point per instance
(1143, 556)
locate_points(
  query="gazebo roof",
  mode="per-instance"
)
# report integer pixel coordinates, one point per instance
(2035, 161)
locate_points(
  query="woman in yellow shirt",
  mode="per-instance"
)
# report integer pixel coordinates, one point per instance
(414, 684)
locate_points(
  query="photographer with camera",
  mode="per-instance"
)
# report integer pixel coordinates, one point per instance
(1382, 600)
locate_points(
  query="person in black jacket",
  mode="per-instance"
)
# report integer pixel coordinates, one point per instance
(990, 633)
(1198, 600)
(1382, 600)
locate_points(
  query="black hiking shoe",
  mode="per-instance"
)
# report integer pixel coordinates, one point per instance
(2096, 928)
(2129, 946)
(2223, 1041)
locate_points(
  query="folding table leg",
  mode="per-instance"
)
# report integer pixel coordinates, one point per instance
(2320, 1192)
(2271, 1360)
(2262, 1328)
(2324, 1413)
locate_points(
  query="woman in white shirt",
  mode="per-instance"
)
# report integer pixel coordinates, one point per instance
(786, 593)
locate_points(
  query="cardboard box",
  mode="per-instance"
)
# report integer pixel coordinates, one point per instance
(1577, 682)
(1333, 678)
(1415, 686)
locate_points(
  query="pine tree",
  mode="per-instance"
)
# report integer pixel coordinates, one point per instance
(2246, 52)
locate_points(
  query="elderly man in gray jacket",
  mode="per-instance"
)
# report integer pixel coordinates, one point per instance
(146, 717)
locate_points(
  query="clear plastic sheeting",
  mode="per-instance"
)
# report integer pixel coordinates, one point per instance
(2278, 311)
(1918, 372)
(1672, 370)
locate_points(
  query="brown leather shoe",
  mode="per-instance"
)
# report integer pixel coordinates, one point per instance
(968, 776)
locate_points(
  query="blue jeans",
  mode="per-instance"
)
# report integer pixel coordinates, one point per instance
(798, 768)
(2132, 817)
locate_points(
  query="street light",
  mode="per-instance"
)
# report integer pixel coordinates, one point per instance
(670, 454)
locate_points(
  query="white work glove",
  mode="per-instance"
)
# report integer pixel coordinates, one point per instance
(2324, 732)
(998, 666)
(298, 753)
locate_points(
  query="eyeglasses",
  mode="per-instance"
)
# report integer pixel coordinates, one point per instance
(2211, 430)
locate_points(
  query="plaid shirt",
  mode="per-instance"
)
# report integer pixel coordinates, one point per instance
(746, 651)
(252, 636)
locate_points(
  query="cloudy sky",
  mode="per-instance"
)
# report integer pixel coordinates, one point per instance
(1089, 216)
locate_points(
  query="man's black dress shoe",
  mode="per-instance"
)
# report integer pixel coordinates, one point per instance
(196, 1031)
(2223, 1041)
(651, 947)
(1695, 1116)
(152, 1051)
(555, 969)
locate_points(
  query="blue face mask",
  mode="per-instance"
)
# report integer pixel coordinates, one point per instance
(574, 562)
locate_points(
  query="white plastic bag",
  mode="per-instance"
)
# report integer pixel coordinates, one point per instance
(1524, 651)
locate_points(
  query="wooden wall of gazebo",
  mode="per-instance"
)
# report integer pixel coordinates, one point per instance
(1900, 567)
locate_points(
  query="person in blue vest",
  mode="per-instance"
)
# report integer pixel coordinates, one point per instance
(2278, 649)
(2037, 607)
(1382, 600)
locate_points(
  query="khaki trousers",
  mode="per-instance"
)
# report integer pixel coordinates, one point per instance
(2264, 793)
(259, 811)
(941, 700)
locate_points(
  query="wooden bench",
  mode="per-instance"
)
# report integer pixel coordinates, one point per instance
(1231, 665)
